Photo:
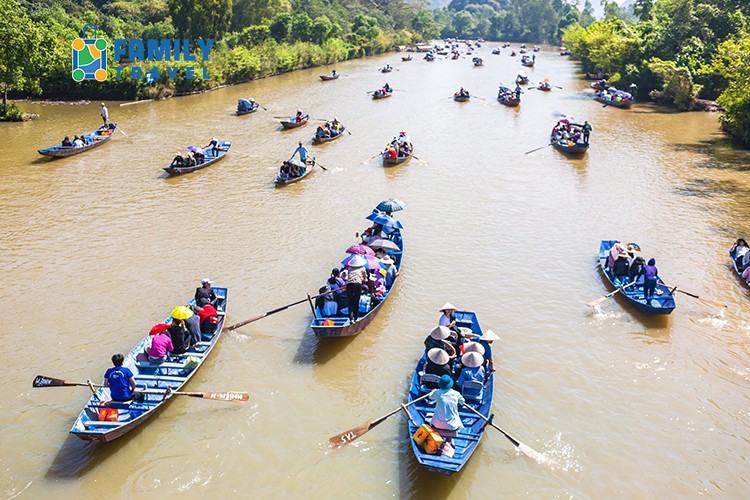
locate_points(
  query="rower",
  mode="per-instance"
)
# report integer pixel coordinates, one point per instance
(302, 151)
(121, 382)
(299, 117)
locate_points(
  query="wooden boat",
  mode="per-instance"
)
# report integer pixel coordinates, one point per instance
(323, 140)
(569, 148)
(92, 139)
(293, 123)
(544, 87)
(522, 46)
(252, 109)
(308, 169)
(522, 51)
(467, 439)
(391, 162)
(173, 375)
(455, 55)
(406, 58)
(339, 325)
(527, 61)
(508, 98)
(325, 78)
(381, 95)
(386, 70)
(461, 98)
(478, 61)
(495, 51)
(599, 85)
(733, 258)
(536, 48)
(659, 304)
(624, 104)
(208, 160)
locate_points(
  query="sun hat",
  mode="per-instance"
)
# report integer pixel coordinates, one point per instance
(387, 260)
(438, 356)
(447, 306)
(489, 336)
(181, 312)
(357, 261)
(206, 280)
(445, 382)
(440, 333)
(472, 359)
(474, 347)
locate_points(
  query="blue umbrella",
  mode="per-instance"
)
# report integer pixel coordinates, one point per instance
(384, 220)
(391, 205)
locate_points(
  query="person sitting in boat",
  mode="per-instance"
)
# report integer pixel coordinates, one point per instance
(621, 270)
(191, 161)
(209, 319)
(447, 316)
(294, 170)
(391, 151)
(390, 271)
(486, 341)
(121, 382)
(299, 117)
(437, 338)
(438, 363)
(387, 88)
(178, 160)
(285, 171)
(740, 249)
(614, 252)
(214, 145)
(326, 302)
(182, 338)
(161, 346)
(650, 277)
(336, 125)
(67, 143)
(78, 142)
(446, 419)
(321, 132)
(302, 151)
(746, 275)
(472, 364)
(636, 267)
(245, 105)
(333, 73)
(204, 294)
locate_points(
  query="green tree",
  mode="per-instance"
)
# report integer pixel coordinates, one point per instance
(731, 63)
(250, 12)
(678, 86)
(281, 26)
(302, 27)
(20, 57)
(201, 18)
(321, 29)
(424, 24)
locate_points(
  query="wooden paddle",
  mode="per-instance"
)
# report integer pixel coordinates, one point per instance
(539, 458)
(229, 396)
(273, 311)
(371, 158)
(347, 437)
(707, 301)
(318, 164)
(598, 301)
(264, 108)
(123, 132)
(537, 149)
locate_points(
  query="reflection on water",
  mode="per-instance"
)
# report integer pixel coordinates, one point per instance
(99, 247)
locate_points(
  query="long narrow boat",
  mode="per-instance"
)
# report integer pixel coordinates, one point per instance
(661, 303)
(339, 325)
(308, 169)
(92, 139)
(391, 162)
(625, 104)
(467, 439)
(381, 95)
(569, 147)
(733, 258)
(461, 98)
(323, 140)
(326, 78)
(172, 375)
(293, 123)
(208, 160)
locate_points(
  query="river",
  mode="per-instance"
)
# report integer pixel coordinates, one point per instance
(99, 247)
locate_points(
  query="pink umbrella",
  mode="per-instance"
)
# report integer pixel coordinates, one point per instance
(371, 263)
(360, 250)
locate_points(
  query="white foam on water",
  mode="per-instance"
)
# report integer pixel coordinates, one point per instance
(562, 455)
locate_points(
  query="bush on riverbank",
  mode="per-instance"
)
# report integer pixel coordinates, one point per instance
(12, 113)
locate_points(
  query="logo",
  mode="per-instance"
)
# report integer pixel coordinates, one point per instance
(89, 57)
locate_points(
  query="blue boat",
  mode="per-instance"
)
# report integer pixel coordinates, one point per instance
(91, 140)
(733, 258)
(661, 303)
(156, 378)
(245, 107)
(467, 439)
(209, 159)
(339, 325)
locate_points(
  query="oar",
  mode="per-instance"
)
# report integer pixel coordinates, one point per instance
(318, 164)
(230, 396)
(273, 311)
(371, 92)
(598, 301)
(477, 97)
(707, 301)
(264, 108)
(371, 158)
(281, 117)
(539, 458)
(537, 149)
(557, 87)
(348, 436)
(123, 132)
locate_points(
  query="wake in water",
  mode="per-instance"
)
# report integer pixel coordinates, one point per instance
(562, 455)
(600, 315)
(717, 320)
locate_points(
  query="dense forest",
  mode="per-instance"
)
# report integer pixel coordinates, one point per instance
(677, 51)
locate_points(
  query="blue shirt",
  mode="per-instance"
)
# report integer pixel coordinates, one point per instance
(487, 349)
(118, 379)
(476, 374)
(446, 415)
(303, 152)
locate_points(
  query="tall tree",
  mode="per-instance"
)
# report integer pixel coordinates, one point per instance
(201, 18)
(19, 50)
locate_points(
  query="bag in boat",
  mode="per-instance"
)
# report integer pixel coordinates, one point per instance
(429, 440)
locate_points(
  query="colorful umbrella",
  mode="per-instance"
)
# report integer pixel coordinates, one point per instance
(384, 244)
(157, 329)
(196, 150)
(375, 213)
(181, 312)
(360, 250)
(391, 205)
(386, 220)
(371, 263)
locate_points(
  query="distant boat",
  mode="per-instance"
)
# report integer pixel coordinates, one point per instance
(208, 160)
(293, 123)
(245, 107)
(325, 78)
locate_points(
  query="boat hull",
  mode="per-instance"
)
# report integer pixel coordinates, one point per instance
(290, 124)
(308, 170)
(61, 151)
(616, 104)
(206, 163)
(577, 149)
(326, 78)
(322, 140)
(392, 162)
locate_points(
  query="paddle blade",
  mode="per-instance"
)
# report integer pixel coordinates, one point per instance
(44, 381)
(539, 458)
(348, 436)
(229, 397)
(598, 301)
